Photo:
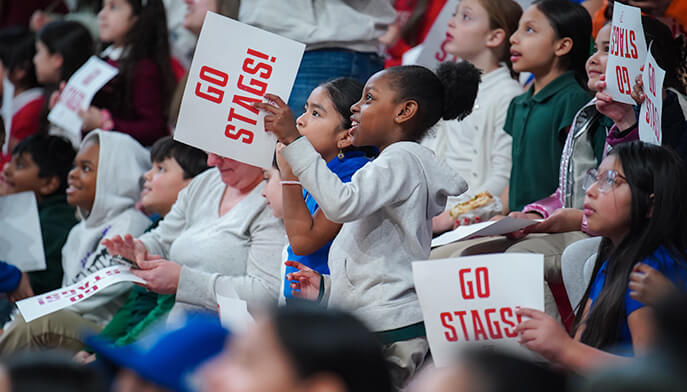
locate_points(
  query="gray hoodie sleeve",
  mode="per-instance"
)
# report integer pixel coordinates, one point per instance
(390, 178)
(261, 281)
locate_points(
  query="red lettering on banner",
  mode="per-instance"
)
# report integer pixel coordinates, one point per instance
(72, 98)
(451, 334)
(500, 324)
(88, 79)
(481, 283)
(441, 55)
(623, 78)
(623, 43)
(254, 80)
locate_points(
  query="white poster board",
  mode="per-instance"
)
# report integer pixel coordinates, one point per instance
(78, 94)
(21, 240)
(650, 113)
(471, 301)
(483, 229)
(433, 52)
(234, 65)
(40, 305)
(626, 53)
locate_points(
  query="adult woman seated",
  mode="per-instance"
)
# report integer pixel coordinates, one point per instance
(220, 232)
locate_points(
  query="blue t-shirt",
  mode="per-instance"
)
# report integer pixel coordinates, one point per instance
(660, 260)
(318, 260)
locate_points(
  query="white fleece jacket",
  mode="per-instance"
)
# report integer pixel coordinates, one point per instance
(387, 212)
(121, 164)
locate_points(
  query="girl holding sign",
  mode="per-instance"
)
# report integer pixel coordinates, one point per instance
(325, 124)
(388, 206)
(636, 202)
(135, 101)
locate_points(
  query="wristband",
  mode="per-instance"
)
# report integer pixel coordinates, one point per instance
(290, 182)
(321, 293)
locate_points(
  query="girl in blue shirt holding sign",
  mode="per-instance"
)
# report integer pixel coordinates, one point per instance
(636, 202)
(325, 124)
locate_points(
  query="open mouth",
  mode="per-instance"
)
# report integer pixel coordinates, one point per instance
(515, 55)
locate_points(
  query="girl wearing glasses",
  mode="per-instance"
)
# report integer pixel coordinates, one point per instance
(636, 202)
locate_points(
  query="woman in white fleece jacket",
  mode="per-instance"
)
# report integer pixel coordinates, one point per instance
(220, 236)
(388, 206)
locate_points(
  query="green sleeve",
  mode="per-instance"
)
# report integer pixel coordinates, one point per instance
(164, 304)
(119, 324)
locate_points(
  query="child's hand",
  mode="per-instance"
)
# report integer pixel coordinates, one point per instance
(638, 90)
(279, 119)
(561, 221)
(161, 276)
(127, 247)
(285, 171)
(621, 113)
(306, 280)
(91, 118)
(83, 357)
(55, 96)
(542, 334)
(649, 286)
(22, 291)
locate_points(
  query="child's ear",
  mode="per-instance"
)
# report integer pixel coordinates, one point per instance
(49, 185)
(405, 111)
(495, 38)
(563, 46)
(343, 139)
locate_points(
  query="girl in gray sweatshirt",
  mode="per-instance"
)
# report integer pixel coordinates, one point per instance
(388, 206)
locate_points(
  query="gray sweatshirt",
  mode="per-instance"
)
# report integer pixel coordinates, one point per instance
(240, 249)
(387, 212)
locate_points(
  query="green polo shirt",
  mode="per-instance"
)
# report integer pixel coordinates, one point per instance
(56, 218)
(539, 124)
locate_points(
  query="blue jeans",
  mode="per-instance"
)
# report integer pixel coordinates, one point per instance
(319, 66)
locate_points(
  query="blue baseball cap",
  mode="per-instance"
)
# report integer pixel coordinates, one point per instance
(170, 355)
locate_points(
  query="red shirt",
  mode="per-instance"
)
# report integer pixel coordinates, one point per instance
(145, 121)
(27, 114)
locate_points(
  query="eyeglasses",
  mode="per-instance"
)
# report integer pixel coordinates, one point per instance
(605, 180)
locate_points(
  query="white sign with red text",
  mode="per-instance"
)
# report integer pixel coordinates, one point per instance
(21, 239)
(472, 301)
(650, 113)
(483, 229)
(234, 65)
(78, 94)
(433, 51)
(626, 52)
(40, 305)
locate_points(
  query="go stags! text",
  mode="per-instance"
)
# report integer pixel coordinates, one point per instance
(252, 84)
(478, 324)
(623, 44)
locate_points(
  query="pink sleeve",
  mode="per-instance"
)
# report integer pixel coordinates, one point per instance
(545, 207)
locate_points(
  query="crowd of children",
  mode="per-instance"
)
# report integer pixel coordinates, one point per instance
(320, 245)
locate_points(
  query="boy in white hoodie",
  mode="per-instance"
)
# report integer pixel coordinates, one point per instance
(103, 186)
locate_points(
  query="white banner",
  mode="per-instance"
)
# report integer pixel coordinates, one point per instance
(40, 305)
(234, 65)
(483, 229)
(627, 52)
(78, 94)
(21, 239)
(650, 113)
(471, 301)
(433, 52)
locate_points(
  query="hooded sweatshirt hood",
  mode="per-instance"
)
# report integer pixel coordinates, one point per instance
(121, 164)
(122, 161)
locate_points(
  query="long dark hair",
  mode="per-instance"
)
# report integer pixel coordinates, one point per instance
(656, 178)
(325, 341)
(147, 39)
(71, 40)
(569, 19)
